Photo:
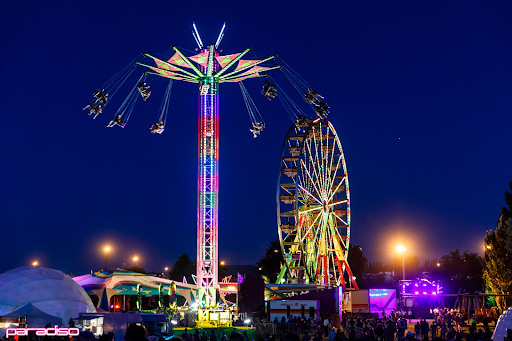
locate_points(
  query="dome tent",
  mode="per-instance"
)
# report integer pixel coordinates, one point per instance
(48, 290)
(504, 323)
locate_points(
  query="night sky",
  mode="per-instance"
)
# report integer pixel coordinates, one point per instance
(420, 94)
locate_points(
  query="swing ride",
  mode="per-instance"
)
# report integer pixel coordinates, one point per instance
(313, 192)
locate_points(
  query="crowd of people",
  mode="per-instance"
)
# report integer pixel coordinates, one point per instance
(444, 325)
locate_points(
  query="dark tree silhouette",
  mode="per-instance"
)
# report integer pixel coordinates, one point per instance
(136, 269)
(270, 264)
(356, 260)
(183, 267)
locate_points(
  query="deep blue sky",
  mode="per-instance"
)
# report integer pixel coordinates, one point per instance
(420, 94)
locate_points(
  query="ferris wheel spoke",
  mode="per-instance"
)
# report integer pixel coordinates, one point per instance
(343, 221)
(333, 176)
(316, 158)
(314, 186)
(312, 225)
(322, 159)
(331, 195)
(309, 194)
(337, 203)
(325, 158)
(311, 180)
(312, 162)
(307, 183)
(312, 209)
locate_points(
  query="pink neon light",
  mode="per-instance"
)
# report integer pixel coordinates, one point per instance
(55, 331)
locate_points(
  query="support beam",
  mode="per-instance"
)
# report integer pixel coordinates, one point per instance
(245, 68)
(188, 62)
(218, 74)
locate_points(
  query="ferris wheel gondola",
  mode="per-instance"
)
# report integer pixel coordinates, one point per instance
(313, 205)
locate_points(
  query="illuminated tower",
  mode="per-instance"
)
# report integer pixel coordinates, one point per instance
(211, 70)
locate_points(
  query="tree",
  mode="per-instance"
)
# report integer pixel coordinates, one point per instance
(270, 264)
(498, 256)
(136, 269)
(507, 212)
(460, 271)
(356, 260)
(183, 267)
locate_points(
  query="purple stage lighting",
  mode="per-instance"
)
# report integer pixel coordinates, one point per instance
(411, 288)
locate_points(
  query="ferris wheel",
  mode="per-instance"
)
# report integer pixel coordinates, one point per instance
(313, 205)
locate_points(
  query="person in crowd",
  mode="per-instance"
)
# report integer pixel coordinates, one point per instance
(135, 333)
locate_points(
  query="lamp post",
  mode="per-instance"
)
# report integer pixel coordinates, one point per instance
(35, 263)
(136, 260)
(107, 249)
(401, 249)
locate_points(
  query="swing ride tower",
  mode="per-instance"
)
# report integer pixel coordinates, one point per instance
(211, 70)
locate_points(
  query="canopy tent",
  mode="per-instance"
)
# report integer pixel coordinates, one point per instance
(35, 317)
(108, 283)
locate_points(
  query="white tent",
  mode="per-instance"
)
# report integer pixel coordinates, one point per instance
(504, 323)
(48, 290)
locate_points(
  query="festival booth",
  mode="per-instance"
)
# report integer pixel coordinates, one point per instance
(109, 289)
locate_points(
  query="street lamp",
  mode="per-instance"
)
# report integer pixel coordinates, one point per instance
(222, 263)
(166, 269)
(34, 263)
(401, 249)
(107, 249)
(135, 259)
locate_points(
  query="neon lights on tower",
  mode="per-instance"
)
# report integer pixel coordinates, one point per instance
(211, 71)
(208, 185)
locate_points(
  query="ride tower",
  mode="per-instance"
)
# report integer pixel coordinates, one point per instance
(208, 180)
(211, 70)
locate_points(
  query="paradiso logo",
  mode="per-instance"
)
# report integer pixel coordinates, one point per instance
(55, 331)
